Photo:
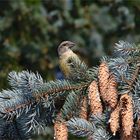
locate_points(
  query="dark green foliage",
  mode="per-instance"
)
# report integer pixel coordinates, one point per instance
(31, 30)
(32, 104)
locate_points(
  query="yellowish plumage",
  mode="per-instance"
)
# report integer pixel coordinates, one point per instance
(63, 61)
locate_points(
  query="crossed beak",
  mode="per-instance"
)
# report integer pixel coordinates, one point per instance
(71, 45)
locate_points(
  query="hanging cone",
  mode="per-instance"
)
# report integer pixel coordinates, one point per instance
(94, 99)
(60, 131)
(126, 114)
(138, 123)
(124, 137)
(114, 120)
(103, 76)
(83, 110)
(107, 85)
(112, 93)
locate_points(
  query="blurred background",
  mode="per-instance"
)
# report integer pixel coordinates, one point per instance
(31, 30)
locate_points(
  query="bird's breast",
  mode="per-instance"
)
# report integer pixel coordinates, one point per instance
(64, 62)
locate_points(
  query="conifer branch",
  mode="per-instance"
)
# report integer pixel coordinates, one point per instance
(32, 104)
(80, 127)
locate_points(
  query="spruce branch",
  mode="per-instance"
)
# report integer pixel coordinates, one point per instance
(101, 134)
(78, 70)
(129, 82)
(100, 122)
(125, 49)
(94, 129)
(16, 104)
(32, 104)
(119, 67)
(25, 81)
(80, 127)
(70, 107)
(58, 86)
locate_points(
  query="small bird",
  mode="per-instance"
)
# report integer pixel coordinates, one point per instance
(66, 55)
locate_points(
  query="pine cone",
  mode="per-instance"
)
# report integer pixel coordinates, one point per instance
(60, 131)
(83, 111)
(107, 85)
(112, 94)
(114, 120)
(94, 99)
(103, 76)
(124, 137)
(126, 114)
(138, 123)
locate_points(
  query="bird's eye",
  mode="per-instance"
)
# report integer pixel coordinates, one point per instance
(65, 44)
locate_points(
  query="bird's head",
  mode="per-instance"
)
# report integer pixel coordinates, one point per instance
(65, 46)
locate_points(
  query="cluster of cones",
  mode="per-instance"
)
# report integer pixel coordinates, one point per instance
(104, 93)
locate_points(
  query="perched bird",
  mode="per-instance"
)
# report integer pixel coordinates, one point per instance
(66, 55)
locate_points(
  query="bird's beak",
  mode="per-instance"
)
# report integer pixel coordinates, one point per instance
(71, 45)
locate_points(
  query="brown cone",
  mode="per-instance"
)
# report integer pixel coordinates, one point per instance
(60, 131)
(124, 137)
(112, 94)
(114, 120)
(103, 76)
(94, 99)
(107, 85)
(138, 128)
(126, 114)
(83, 111)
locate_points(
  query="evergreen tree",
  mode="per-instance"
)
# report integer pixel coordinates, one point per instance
(98, 102)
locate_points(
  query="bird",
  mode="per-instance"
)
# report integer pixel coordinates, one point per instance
(66, 56)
